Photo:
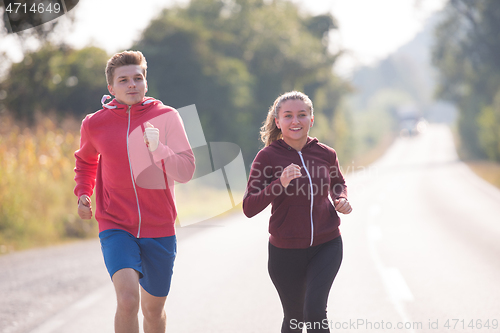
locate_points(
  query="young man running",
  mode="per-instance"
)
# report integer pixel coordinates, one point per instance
(132, 151)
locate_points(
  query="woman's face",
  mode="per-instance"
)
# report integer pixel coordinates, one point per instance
(294, 120)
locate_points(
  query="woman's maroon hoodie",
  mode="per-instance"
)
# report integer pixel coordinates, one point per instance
(302, 214)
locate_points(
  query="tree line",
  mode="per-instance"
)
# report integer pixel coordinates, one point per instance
(466, 53)
(230, 58)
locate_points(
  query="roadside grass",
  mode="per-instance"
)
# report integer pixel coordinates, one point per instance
(489, 171)
(37, 206)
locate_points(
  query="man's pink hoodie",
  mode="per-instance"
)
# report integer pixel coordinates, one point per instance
(134, 187)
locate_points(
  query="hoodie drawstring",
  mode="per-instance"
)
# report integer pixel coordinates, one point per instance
(103, 99)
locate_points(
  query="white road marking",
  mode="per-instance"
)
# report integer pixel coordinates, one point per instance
(392, 278)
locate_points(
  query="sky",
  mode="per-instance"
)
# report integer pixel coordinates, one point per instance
(369, 30)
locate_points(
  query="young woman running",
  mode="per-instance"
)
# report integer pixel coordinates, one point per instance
(296, 173)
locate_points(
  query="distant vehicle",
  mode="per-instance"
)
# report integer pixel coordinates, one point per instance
(412, 126)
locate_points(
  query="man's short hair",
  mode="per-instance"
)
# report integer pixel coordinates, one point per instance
(123, 59)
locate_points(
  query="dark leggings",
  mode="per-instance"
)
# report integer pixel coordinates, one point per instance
(303, 278)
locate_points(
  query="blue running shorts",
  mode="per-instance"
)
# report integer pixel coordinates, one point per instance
(152, 258)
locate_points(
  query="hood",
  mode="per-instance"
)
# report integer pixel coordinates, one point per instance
(135, 110)
(282, 144)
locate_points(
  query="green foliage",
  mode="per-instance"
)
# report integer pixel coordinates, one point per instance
(233, 58)
(466, 54)
(380, 111)
(334, 124)
(55, 78)
(489, 136)
(337, 133)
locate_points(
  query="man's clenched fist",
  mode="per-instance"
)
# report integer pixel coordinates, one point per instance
(151, 136)
(85, 207)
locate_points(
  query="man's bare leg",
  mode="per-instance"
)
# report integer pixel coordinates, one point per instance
(126, 282)
(153, 309)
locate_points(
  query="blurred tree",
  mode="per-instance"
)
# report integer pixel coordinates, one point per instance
(234, 57)
(82, 80)
(489, 123)
(466, 54)
(52, 76)
(55, 78)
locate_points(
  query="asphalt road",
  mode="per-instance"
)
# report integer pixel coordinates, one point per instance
(421, 254)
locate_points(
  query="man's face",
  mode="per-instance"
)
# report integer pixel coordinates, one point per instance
(129, 84)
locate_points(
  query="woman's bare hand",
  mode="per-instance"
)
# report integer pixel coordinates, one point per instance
(291, 172)
(342, 206)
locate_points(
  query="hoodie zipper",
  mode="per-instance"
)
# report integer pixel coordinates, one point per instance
(132, 173)
(311, 194)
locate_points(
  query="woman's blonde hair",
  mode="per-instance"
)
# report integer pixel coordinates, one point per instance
(269, 132)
